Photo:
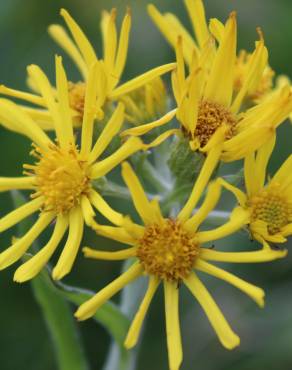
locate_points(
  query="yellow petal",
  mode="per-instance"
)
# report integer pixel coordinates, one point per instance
(254, 73)
(143, 129)
(255, 293)
(17, 183)
(87, 211)
(161, 138)
(209, 165)
(88, 308)
(102, 206)
(81, 40)
(262, 158)
(219, 86)
(225, 334)
(123, 45)
(109, 256)
(115, 233)
(238, 219)
(20, 213)
(135, 328)
(212, 197)
(33, 266)
(283, 175)
(17, 249)
(110, 44)
(89, 110)
(47, 92)
(34, 99)
(61, 37)
(63, 99)
(111, 129)
(140, 200)
(173, 336)
(130, 147)
(240, 196)
(141, 80)
(16, 119)
(196, 12)
(264, 255)
(70, 250)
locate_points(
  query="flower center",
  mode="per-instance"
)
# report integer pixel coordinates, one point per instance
(61, 177)
(77, 98)
(167, 251)
(210, 117)
(270, 207)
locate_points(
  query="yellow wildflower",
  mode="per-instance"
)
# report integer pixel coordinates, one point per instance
(109, 68)
(171, 28)
(208, 108)
(269, 203)
(169, 250)
(61, 178)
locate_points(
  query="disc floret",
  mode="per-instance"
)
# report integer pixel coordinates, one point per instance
(168, 251)
(271, 207)
(61, 177)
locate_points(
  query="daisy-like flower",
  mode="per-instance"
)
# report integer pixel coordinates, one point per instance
(109, 68)
(171, 28)
(269, 202)
(208, 108)
(62, 175)
(170, 251)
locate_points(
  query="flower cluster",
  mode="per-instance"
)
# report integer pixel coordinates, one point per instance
(223, 107)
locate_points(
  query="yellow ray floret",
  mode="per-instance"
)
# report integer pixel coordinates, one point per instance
(168, 251)
(61, 176)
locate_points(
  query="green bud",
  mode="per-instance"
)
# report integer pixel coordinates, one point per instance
(185, 164)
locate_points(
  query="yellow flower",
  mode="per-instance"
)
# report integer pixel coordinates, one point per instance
(168, 251)
(109, 68)
(269, 203)
(208, 108)
(61, 177)
(147, 103)
(171, 28)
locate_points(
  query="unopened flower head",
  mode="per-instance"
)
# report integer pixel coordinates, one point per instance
(268, 201)
(61, 177)
(169, 250)
(147, 103)
(208, 108)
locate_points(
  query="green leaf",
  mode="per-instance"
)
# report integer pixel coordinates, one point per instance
(59, 319)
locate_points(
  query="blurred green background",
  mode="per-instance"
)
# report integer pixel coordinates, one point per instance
(266, 335)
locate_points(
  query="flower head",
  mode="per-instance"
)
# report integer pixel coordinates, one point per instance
(209, 110)
(61, 177)
(109, 68)
(169, 251)
(268, 201)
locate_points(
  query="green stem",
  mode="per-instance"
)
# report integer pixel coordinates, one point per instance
(60, 322)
